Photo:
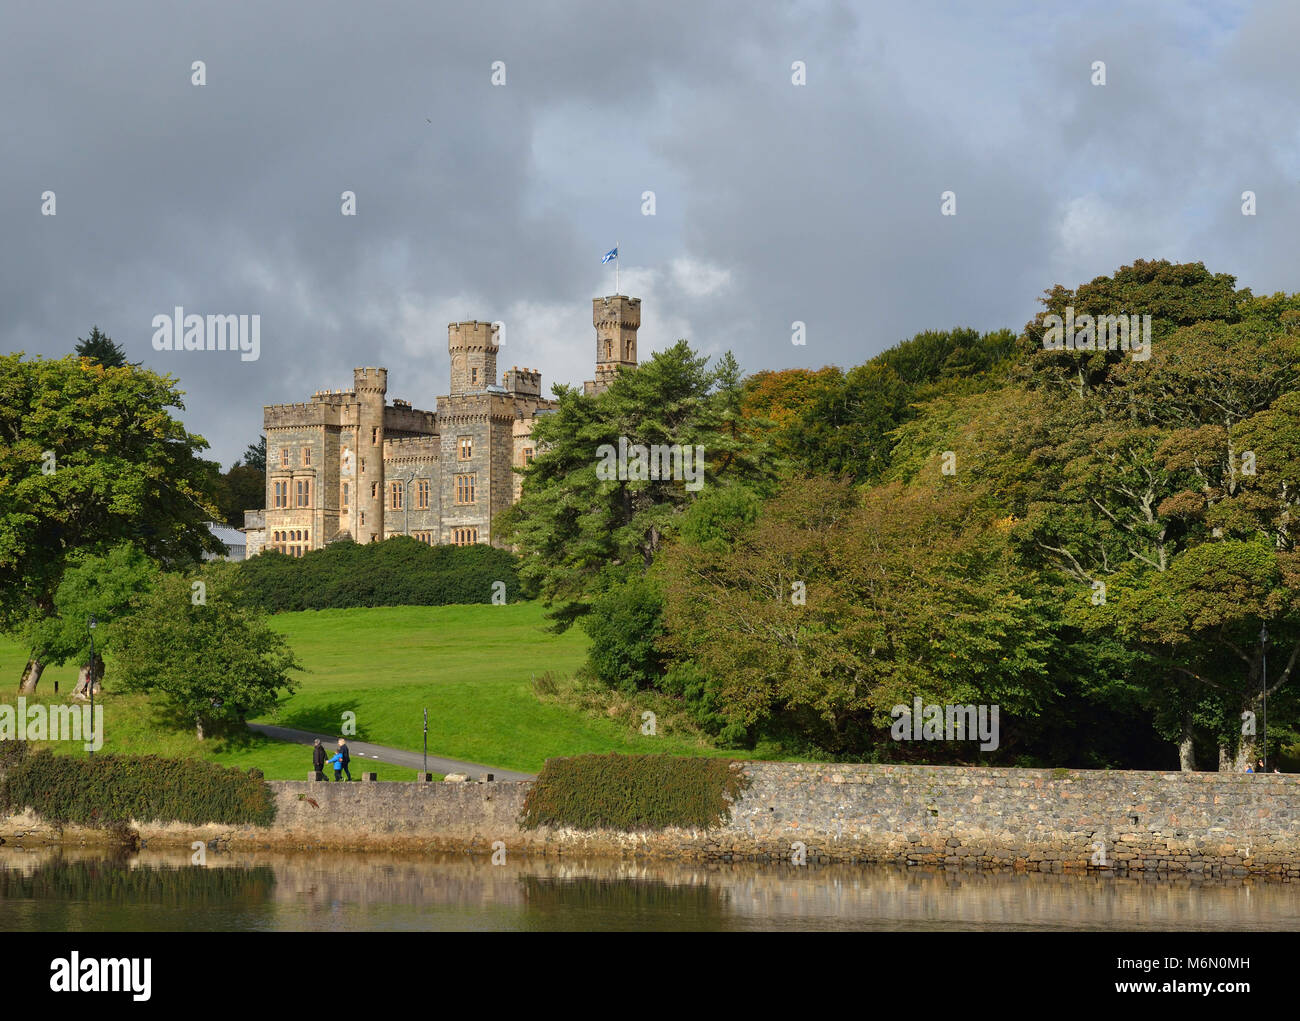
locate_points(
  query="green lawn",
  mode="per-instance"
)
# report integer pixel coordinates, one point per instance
(472, 666)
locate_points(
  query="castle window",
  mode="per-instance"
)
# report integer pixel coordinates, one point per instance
(422, 495)
(306, 457)
(363, 517)
(424, 537)
(374, 434)
(284, 457)
(473, 375)
(374, 490)
(609, 349)
(464, 488)
(345, 496)
(528, 455)
(395, 495)
(304, 493)
(464, 536)
(466, 448)
(363, 466)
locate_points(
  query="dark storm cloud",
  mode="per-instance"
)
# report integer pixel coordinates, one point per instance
(775, 203)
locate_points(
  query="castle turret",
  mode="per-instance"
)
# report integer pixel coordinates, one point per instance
(616, 318)
(371, 386)
(473, 348)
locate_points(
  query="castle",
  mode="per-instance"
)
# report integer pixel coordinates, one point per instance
(349, 463)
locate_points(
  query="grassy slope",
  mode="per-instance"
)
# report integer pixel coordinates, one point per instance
(470, 665)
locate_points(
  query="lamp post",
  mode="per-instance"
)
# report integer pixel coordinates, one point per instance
(90, 626)
(1263, 673)
(426, 740)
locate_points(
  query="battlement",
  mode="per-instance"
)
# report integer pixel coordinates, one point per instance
(400, 418)
(616, 309)
(284, 416)
(399, 403)
(334, 398)
(472, 336)
(370, 380)
(524, 382)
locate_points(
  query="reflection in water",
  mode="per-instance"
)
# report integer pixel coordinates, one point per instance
(585, 903)
(73, 890)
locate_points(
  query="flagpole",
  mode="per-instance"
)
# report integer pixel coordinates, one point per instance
(615, 268)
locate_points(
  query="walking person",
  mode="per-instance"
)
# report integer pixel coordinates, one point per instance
(336, 760)
(318, 759)
(346, 757)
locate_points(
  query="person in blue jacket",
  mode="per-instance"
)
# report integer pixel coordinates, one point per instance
(337, 762)
(347, 756)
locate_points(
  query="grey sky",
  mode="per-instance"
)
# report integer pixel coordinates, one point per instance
(775, 203)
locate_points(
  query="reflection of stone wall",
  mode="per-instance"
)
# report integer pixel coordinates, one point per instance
(326, 891)
(1042, 820)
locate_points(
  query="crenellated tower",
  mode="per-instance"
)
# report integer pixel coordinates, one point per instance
(473, 349)
(371, 387)
(616, 318)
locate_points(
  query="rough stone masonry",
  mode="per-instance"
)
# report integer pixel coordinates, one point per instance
(1034, 819)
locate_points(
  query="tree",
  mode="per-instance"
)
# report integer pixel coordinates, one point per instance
(101, 350)
(832, 607)
(200, 645)
(92, 586)
(846, 423)
(255, 456)
(242, 488)
(90, 457)
(577, 532)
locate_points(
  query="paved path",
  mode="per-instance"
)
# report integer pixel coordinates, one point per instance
(393, 756)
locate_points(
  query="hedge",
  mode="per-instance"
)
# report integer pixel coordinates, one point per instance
(633, 792)
(397, 572)
(110, 790)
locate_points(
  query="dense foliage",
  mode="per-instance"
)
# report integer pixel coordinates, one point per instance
(90, 458)
(633, 792)
(112, 789)
(1091, 540)
(204, 650)
(396, 572)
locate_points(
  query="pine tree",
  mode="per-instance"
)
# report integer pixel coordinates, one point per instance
(99, 348)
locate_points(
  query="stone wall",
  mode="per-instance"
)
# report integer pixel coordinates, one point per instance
(1044, 820)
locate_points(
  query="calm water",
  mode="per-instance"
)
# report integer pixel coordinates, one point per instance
(74, 891)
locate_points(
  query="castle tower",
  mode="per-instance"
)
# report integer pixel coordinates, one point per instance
(473, 348)
(616, 318)
(371, 386)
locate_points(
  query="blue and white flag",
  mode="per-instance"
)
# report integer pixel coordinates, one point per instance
(611, 255)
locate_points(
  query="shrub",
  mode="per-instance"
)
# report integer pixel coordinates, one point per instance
(109, 790)
(633, 792)
(625, 623)
(397, 572)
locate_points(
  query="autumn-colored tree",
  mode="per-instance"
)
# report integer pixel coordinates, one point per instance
(835, 606)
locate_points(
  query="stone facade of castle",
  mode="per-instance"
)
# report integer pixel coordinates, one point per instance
(352, 463)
